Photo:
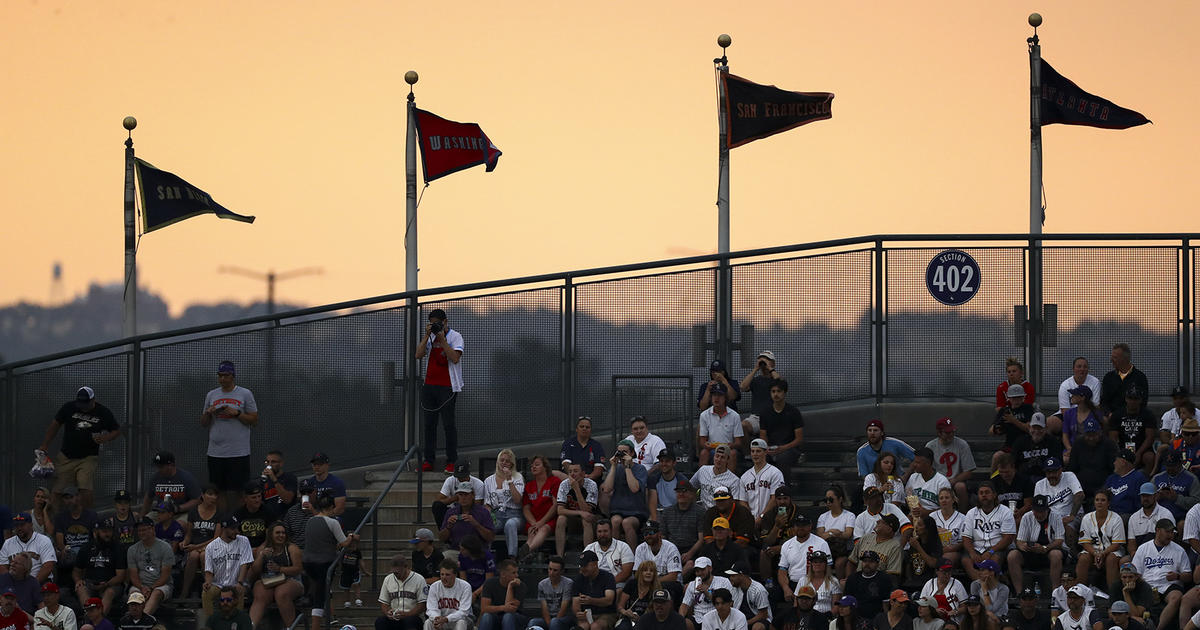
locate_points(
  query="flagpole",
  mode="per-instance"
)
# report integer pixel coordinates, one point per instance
(411, 400)
(723, 149)
(1036, 215)
(129, 328)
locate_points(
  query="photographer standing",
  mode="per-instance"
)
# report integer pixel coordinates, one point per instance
(758, 383)
(443, 382)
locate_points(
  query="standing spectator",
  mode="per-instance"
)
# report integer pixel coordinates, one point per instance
(1079, 376)
(137, 618)
(664, 616)
(877, 444)
(717, 475)
(725, 616)
(625, 487)
(1120, 379)
(760, 482)
(924, 482)
(501, 600)
(719, 426)
(425, 556)
(36, 546)
(1014, 372)
(794, 555)
(94, 614)
(758, 383)
(665, 556)
(279, 487)
(1133, 427)
(18, 580)
(660, 485)
(323, 537)
(1039, 541)
(1140, 526)
(149, 561)
(539, 505)
(718, 375)
(615, 556)
(896, 616)
(254, 516)
(401, 598)
(52, 615)
(124, 521)
(72, 529)
(465, 518)
(1012, 421)
(229, 413)
(200, 529)
(1124, 484)
(1178, 489)
(448, 602)
(1101, 541)
(279, 567)
(327, 482)
(11, 616)
(988, 530)
(170, 481)
(503, 492)
(86, 425)
(296, 517)
(869, 586)
(882, 540)
(443, 382)
(447, 496)
(782, 428)
(593, 595)
(949, 522)
(1030, 451)
(578, 507)
(1064, 496)
(952, 457)
(100, 567)
(646, 445)
(230, 616)
(1164, 566)
(699, 595)
(682, 522)
(836, 527)
(583, 450)
(554, 594)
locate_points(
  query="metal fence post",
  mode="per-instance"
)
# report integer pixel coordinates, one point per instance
(1034, 361)
(878, 326)
(724, 323)
(1185, 319)
(567, 353)
(8, 421)
(137, 437)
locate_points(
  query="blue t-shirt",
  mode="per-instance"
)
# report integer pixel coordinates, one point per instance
(867, 455)
(665, 488)
(336, 487)
(1126, 491)
(624, 501)
(475, 571)
(1181, 484)
(586, 456)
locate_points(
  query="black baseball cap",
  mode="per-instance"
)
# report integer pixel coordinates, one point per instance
(869, 554)
(1028, 593)
(801, 519)
(122, 495)
(229, 521)
(651, 527)
(661, 595)
(588, 556)
(320, 457)
(105, 523)
(162, 458)
(463, 471)
(1179, 390)
(667, 453)
(1041, 502)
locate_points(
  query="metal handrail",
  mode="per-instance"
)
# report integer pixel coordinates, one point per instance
(374, 542)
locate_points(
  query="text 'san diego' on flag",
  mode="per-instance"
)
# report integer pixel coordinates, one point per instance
(167, 198)
(448, 146)
(756, 111)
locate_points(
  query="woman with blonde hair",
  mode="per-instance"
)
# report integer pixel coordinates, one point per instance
(634, 599)
(503, 495)
(820, 579)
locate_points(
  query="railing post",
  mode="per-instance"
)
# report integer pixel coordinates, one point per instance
(567, 353)
(878, 325)
(412, 399)
(724, 295)
(1186, 320)
(1033, 369)
(8, 418)
(137, 438)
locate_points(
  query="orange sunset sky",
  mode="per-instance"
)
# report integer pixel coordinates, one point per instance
(605, 112)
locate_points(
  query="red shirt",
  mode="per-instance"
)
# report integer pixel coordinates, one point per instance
(18, 620)
(541, 499)
(1002, 393)
(437, 372)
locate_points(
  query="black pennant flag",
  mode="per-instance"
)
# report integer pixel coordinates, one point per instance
(167, 199)
(1064, 102)
(756, 111)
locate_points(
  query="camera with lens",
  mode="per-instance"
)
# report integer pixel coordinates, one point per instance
(435, 327)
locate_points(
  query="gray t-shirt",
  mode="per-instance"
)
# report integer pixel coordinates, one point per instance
(951, 460)
(553, 595)
(150, 561)
(321, 537)
(228, 437)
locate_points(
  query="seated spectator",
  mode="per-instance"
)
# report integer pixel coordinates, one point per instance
(466, 517)
(737, 517)
(976, 617)
(1092, 457)
(877, 444)
(24, 586)
(924, 483)
(136, 615)
(805, 615)
(722, 550)
(1101, 541)
(254, 516)
(1012, 488)
(170, 480)
(72, 528)
(1164, 566)
(583, 450)
(503, 494)
(1133, 427)
(448, 494)
(448, 602)
(922, 554)
(1067, 584)
(845, 615)
(725, 616)
(1172, 419)
(1119, 617)
(952, 457)
(825, 587)
(698, 597)
(1124, 484)
(1178, 489)
(625, 488)
(719, 426)
(578, 507)
(40, 550)
(1079, 376)
(476, 564)
(11, 615)
(323, 480)
(717, 475)
(593, 595)
(753, 597)
(759, 484)
(1134, 593)
(278, 487)
(1171, 440)
(51, 614)
(660, 485)
(884, 542)
(988, 530)
(885, 479)
(896, 615)
(949, 522)
(167, 529)
(501, 600)
(992, 593)
(93, 616)
(646, 446)
(1188, 445)
(665, 556)
(1140, 527)
(1064, 495)
(1012, 420)
(554, 593)
(124, 521)
(773, 531)
(1031, 451)
(682, 523)
(198, 530)
(927, 616)
(782, 427)
(945, 589)
(664, 616)
(149, 561)
(875, 509)
(835, 526)
(615, 556)
(100, 567)
(1030, 614)
(633, 600)
(401, 598)
(1081, 411)
(296, 517)
(227, 561)
(795, 554)
(1039, 543)
(425, 556)
(868, 585)
(539, 504)
(279, 567)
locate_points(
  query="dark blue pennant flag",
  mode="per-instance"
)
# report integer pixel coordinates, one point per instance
(1064, 102)
(167, 198)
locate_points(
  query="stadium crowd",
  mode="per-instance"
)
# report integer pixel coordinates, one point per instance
(1094, 507)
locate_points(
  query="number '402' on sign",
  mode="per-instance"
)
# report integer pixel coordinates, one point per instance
(952, 277)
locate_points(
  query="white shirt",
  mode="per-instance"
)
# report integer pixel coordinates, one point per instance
(1030, 529)
(501, 498)
(735, 621)
(591, 492)
(793, 555)
(759, 486)
(453, 602)
(954, 591)
(618, 553)
(949, 527)
(402, 595)
(39, 548)
(1070, 623)
(927, 489)
(225, 559)
(1062, 496)
(668, 559)
(448, 487)
(456, 342)
(63, 619)
(720, 429)
(1058, 599)
(865, 521)
(646, 452)
(843, 521)
(758, 599)
(1170, 422)
(826, 594)
(1101, 536)
(1064, 399)
(701, 602)
(985, 528)
(893, 491)
(1191, 523)
(705, 481)
(1140, 524)
(1154, 564)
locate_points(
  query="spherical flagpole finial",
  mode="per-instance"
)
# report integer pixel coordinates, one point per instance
(724, 40)
(129, 123)
(1035, 19)
(411, 77)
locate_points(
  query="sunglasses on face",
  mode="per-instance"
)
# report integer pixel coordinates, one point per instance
(226, 599)
(829, 499)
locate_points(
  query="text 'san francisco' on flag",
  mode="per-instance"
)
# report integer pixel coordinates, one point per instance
(167, 198)
(756, 111)
(1066, 103)
(448, 146)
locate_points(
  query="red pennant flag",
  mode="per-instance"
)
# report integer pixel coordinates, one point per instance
(448, 146)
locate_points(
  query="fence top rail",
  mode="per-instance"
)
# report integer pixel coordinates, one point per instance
(874, 239)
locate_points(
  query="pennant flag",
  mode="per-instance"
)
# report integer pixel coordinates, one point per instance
(1064, 102)
(167, 199)
(756, 111)
(448, 146)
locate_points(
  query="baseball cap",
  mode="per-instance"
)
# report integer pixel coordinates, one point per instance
(721, 492)
(162, 458)
(1119, 606)
(1128, 568)
(146, 520)
(136, 598)
(590, 556)
(716, 366)
(781, 491)
(1127, 455)
(1179, 390)
(85, 394)
(945, 424)
(462, 471)
(307, 485)
(122, 495)
(806, 591)
(898, 595)
(1082, 390)
(105, 523)
(93, 602)
(1041, 502)
(703, 562)
(988, 564)
(22, 517)
(972, 599)
(1029, 593)
(660, 595)
(869, 555)
(717, 388)
(738, 568)
(766, 353)
(1016, 391)
(1165, 523)
(1052, 463)
(928, 601)
(721, 522)
(1148, 488)
(667, 453)
(758, 443)
(847, 600)
(891, 521)
(226, 367)
(871, 491)
(49, 587)
(8, 592)
(944, 564)
(818, 556)
(1191, 424)
(651, 528)
(229, 521)
(1078, 590)
(1134, 393)
(464, 487)
(875, 423)
(684, 486)
(69, 491)
(423, 534)
(801, 519)
(320, 457)
(1038, 419)
(1091, 425)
